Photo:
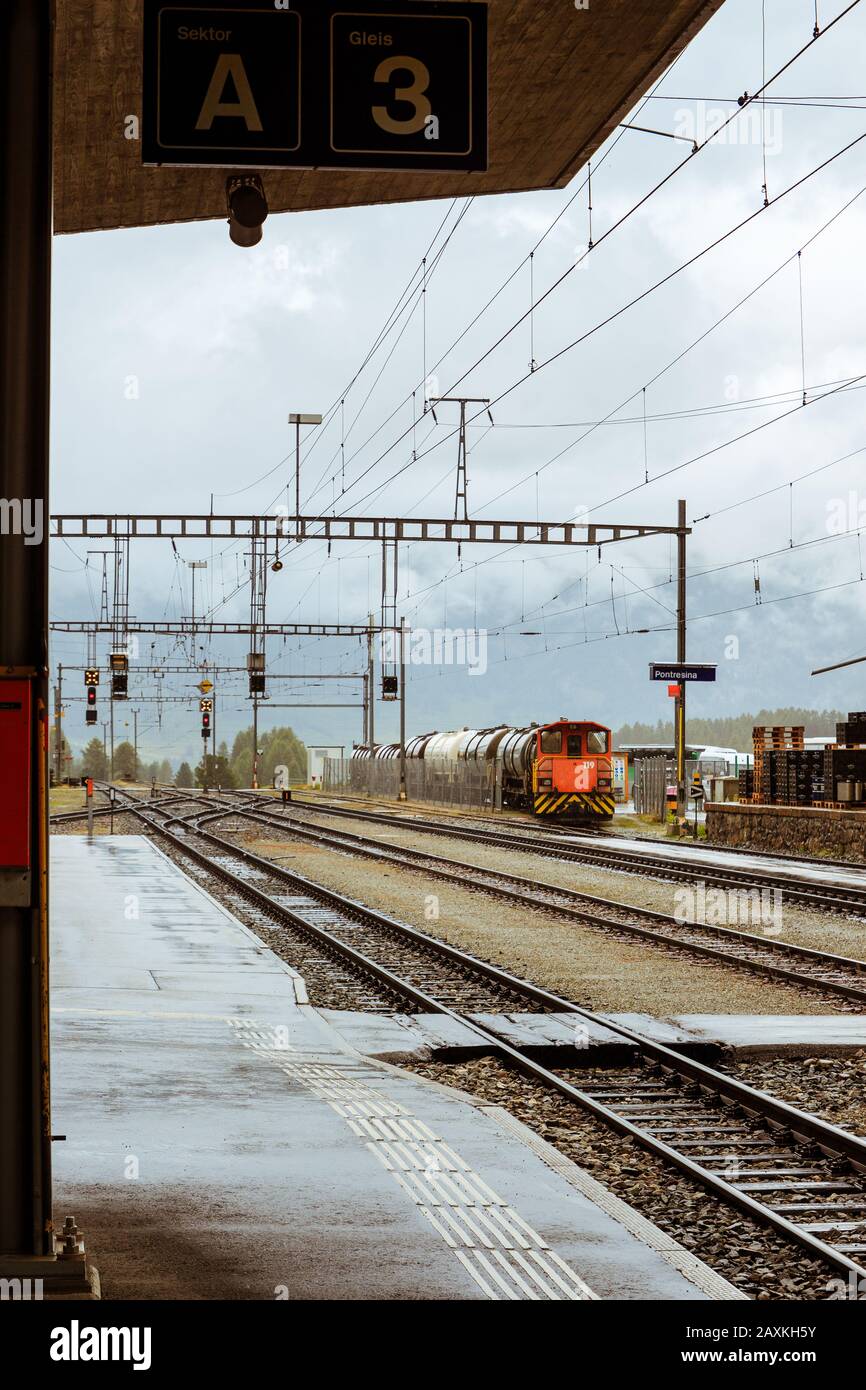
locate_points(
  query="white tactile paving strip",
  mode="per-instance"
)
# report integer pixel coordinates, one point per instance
(502, 1253)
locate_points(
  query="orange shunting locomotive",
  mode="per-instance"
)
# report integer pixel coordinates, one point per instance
(571, 771)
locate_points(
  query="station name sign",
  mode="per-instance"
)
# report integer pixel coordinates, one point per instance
(703, 671)
(315, 84)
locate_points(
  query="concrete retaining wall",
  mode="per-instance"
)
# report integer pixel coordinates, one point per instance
(789, 829)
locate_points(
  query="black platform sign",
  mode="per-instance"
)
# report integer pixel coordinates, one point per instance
(700, 672)
(315, 84)
(228, 82)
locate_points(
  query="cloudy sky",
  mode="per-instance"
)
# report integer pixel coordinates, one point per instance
(670, 361)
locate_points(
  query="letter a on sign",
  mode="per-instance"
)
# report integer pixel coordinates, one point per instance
(229, 65)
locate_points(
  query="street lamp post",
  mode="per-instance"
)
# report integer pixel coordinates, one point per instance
(297, 421)
(195, 565)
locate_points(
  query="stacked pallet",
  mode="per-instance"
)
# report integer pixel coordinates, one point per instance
(767, 739)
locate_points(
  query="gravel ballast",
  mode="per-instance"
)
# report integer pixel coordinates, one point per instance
(588, 966)
(821, 931)
(832, 1087)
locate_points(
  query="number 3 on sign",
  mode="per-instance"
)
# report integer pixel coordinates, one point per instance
(414, 94)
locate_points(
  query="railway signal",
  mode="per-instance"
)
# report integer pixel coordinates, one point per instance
(91, 680)
(206, 710)
(119, 663)
(256, 671)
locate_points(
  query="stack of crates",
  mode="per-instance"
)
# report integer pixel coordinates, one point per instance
(853, 731)
(796, 776)
(766, 740)
(845, 764)
(746, 784)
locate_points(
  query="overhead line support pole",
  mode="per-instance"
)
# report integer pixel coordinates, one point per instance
(680, 705)
(298, 468)
(58, 726)
(402, 796)
(371, 700)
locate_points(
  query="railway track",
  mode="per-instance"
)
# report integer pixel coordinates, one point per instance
(530, 826)
(790, 1170)
(821, 895)
(163, 798)
(839, 976)
(528, 829)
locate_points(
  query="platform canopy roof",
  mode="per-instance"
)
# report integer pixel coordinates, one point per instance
(561, 78)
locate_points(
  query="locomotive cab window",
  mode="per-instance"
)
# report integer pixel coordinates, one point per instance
(551, 741)
(573, 745)
(596, 741)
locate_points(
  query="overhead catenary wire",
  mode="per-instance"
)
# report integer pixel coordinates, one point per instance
(619, 222)
(515, 272)
(624, 308)
(714, 133)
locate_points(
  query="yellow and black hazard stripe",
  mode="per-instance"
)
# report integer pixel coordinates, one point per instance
(556, 803)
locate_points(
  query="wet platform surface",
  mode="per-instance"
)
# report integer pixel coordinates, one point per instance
(225, 1141)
